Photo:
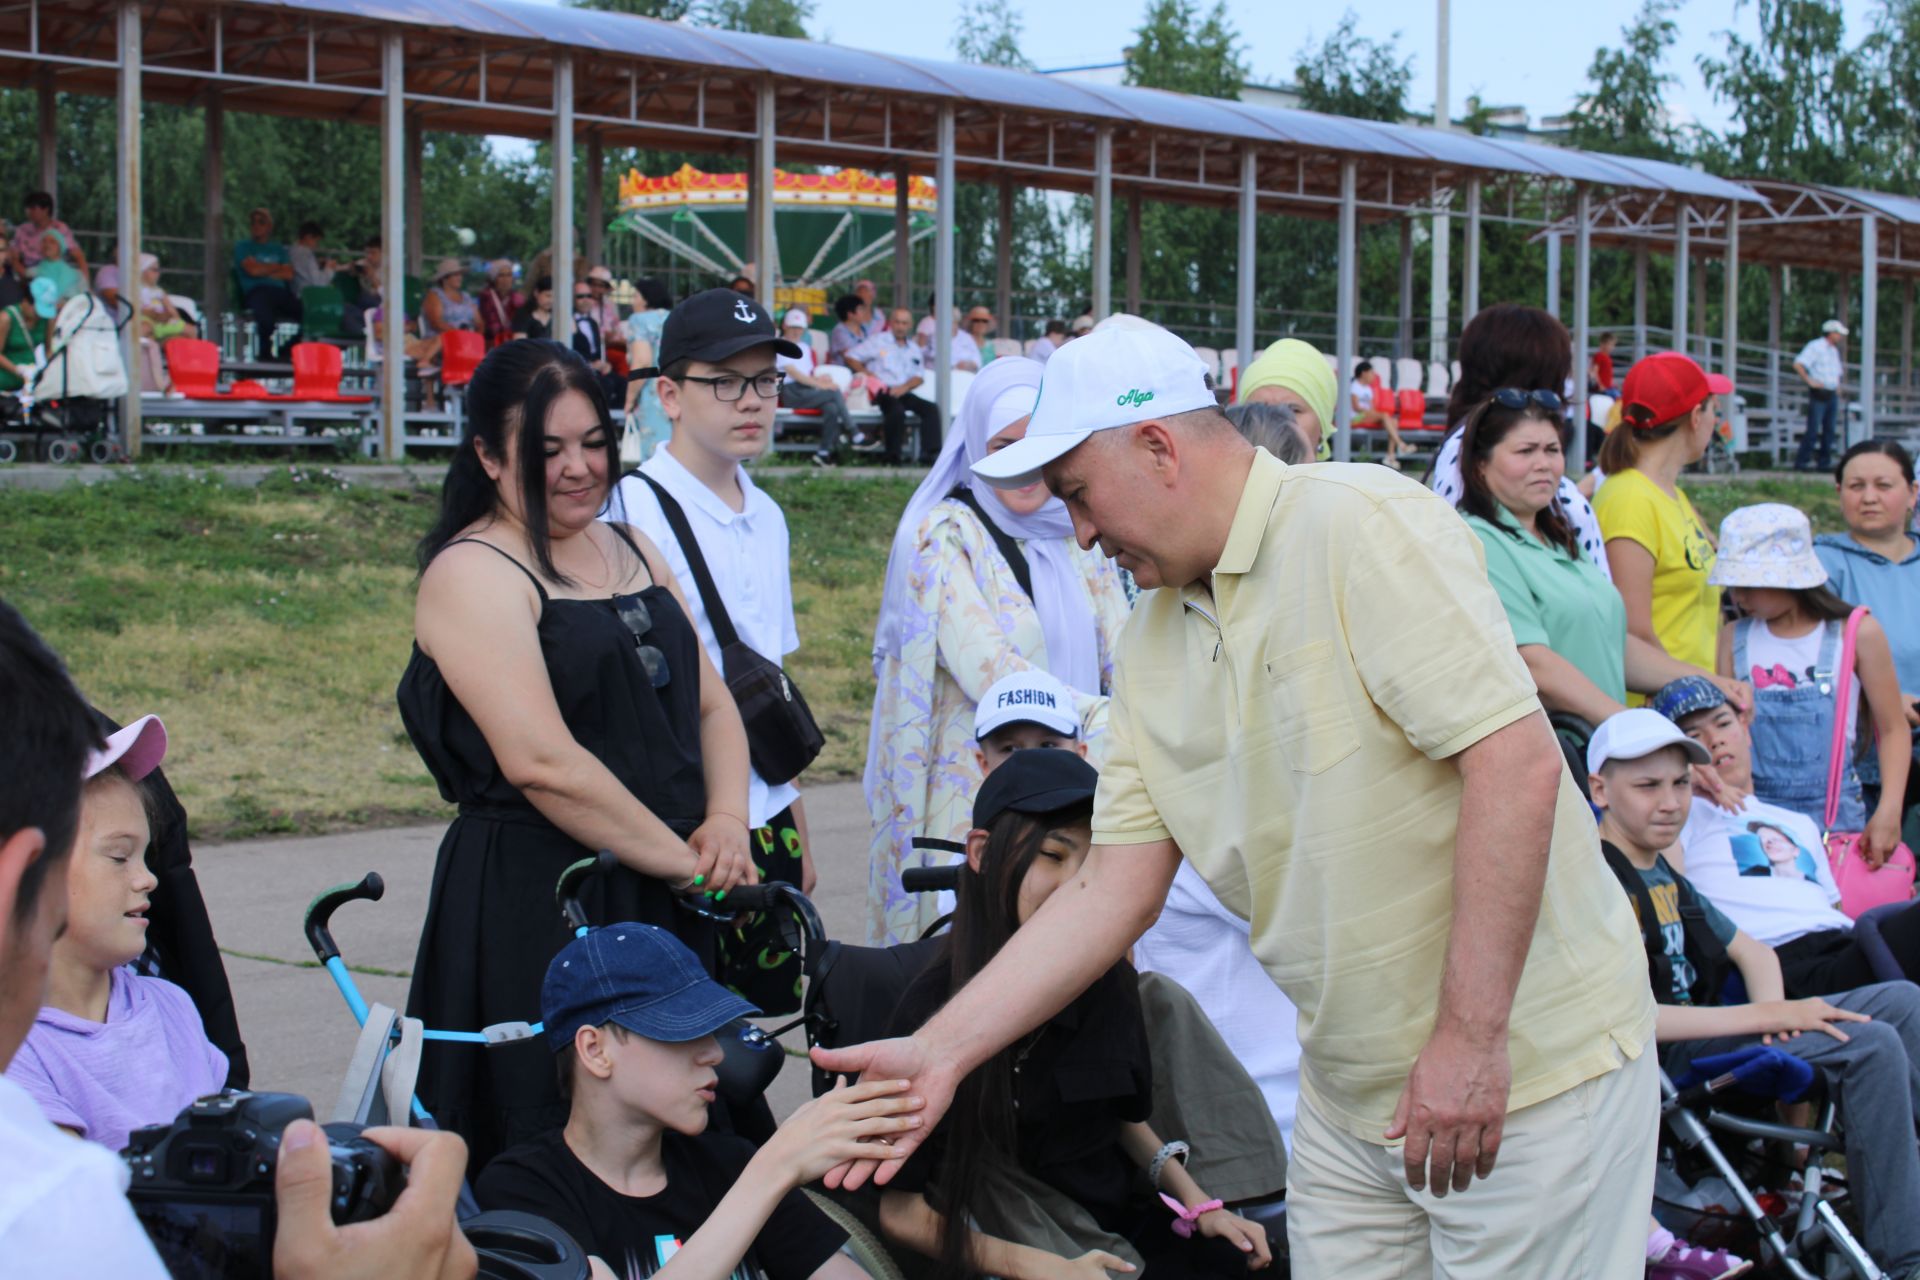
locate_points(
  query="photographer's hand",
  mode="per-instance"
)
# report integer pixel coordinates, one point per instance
(416, 1238)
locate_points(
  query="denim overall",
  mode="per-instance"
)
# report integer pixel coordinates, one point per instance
(1793, 736)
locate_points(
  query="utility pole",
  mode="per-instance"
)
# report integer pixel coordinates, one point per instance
(1438, 351)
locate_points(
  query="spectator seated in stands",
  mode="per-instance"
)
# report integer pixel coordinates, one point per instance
(499, 303)
(106, 285)
(13, 284)
(310, 270)
(1295, 374)
(265, 269)
(1051, 341)
(979, 327)
(591, 343)
(160, 319)
(447, 305)
(1368, 411)
(367, 285)
(854, 313)
(898, 362)
(111, 1050)
(876, 318)
(742, 284)
(1766, 866)
(1867, 1035)
(535, 319)
(636, 1176)
(804, 386)
(45, 248)
(24, 329)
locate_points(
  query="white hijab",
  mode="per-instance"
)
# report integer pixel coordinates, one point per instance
(1002, 393)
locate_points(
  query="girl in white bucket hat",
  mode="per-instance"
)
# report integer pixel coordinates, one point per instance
(1789, 642)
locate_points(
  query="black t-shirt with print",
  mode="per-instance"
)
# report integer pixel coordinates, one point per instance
(544, 1177)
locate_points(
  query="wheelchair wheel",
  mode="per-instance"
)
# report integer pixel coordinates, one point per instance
(60, 452)
(104, 451)
(862, 1243)
(8, 451)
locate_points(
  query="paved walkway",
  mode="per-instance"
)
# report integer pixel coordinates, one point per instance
(299, 1034)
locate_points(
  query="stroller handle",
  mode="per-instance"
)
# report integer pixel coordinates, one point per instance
(567, 892)
(930, 879)
(320, 911)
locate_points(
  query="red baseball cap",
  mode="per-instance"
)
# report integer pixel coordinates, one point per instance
(1665, 386)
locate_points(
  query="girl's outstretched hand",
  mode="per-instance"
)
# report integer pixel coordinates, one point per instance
(1248, 1237)
(850, 1122)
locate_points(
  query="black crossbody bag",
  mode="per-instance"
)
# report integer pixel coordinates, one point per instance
(782, 736)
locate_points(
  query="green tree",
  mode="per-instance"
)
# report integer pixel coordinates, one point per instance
(1798, 97)
(1175, 48)
(989, 33)
(666, 10)
(1623, 109)
(766, 17)
(1349, 74)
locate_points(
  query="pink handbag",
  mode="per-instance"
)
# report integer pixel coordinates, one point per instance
(1862, 888)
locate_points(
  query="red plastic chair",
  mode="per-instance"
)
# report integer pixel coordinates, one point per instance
(1413, 410)
(317, 368)
(194, 366)
(1383, 401)
(461, 351)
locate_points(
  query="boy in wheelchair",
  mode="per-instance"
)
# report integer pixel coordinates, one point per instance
(1866, 1039)
(635, 1176)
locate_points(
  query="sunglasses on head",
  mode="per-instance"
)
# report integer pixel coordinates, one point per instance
(1514, 398)
(638, 619)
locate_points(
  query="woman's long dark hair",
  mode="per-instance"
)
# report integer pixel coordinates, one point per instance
(512, 392)
(979, 1126)
(1486, 427)
(1508, 345)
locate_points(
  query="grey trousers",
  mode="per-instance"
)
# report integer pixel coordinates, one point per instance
(1876, 1079)
(831, 404)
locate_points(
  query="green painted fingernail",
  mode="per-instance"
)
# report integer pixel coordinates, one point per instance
(720, 896)
(709, 895)
(698, 881)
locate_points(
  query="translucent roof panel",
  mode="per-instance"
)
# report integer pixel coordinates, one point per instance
(1660, 175)
(1004, 86)
(1160, 109)
(1329, 133)
(832, 64)
(618, 33)
(1900, 208)
(457, 15)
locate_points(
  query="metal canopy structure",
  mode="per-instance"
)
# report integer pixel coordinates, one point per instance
(516, 68)
(1846, 230)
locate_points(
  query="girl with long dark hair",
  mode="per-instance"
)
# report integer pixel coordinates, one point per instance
(559, 696)
(1041, 1146)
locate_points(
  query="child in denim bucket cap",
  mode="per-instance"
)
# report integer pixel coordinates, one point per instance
(1788, 644)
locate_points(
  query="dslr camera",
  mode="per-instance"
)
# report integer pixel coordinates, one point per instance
(203, 1185)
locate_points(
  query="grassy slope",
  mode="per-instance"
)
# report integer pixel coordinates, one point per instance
(268, 626)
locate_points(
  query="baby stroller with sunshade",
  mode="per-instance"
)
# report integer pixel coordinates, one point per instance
(67, 407)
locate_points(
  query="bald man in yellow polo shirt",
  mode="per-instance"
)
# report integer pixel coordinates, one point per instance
(1320, 705)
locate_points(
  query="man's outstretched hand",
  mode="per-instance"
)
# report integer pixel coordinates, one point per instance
(929, 1077)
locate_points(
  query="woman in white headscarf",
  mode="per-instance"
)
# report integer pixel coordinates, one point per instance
(956, 616)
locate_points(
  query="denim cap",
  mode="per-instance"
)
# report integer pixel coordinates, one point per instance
(1688, 694)
(639, 977)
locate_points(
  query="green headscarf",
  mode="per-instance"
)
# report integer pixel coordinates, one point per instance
(1300, 368)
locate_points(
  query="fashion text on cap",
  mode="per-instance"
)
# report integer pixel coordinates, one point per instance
(714, 326)
(1032, 696)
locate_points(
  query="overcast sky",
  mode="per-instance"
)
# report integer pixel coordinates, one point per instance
(1507, 51)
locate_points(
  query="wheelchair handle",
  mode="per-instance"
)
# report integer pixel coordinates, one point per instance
(930, 879)
(370, 888)
(773, 895)
(567, 892)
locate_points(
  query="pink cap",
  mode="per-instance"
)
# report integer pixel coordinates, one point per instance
(138, 749)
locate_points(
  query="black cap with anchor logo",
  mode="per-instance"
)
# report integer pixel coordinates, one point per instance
(712, 326)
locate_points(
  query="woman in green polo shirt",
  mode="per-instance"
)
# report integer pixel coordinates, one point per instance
(1566, 616)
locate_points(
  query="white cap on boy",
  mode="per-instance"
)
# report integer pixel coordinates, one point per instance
(1110, 378)
(1629, 735)
(1026, 697)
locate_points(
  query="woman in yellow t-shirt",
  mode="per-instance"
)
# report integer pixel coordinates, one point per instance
(1659, 552)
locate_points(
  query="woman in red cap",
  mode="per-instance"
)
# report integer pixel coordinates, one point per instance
(1659, 552)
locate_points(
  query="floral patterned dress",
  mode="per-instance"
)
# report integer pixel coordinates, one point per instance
(970, 625)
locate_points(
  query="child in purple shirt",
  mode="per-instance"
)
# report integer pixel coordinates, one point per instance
(110, 1050)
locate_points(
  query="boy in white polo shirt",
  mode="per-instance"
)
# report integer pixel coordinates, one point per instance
(719, 387)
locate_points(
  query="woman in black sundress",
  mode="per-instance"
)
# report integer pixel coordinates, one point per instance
(560, 697)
